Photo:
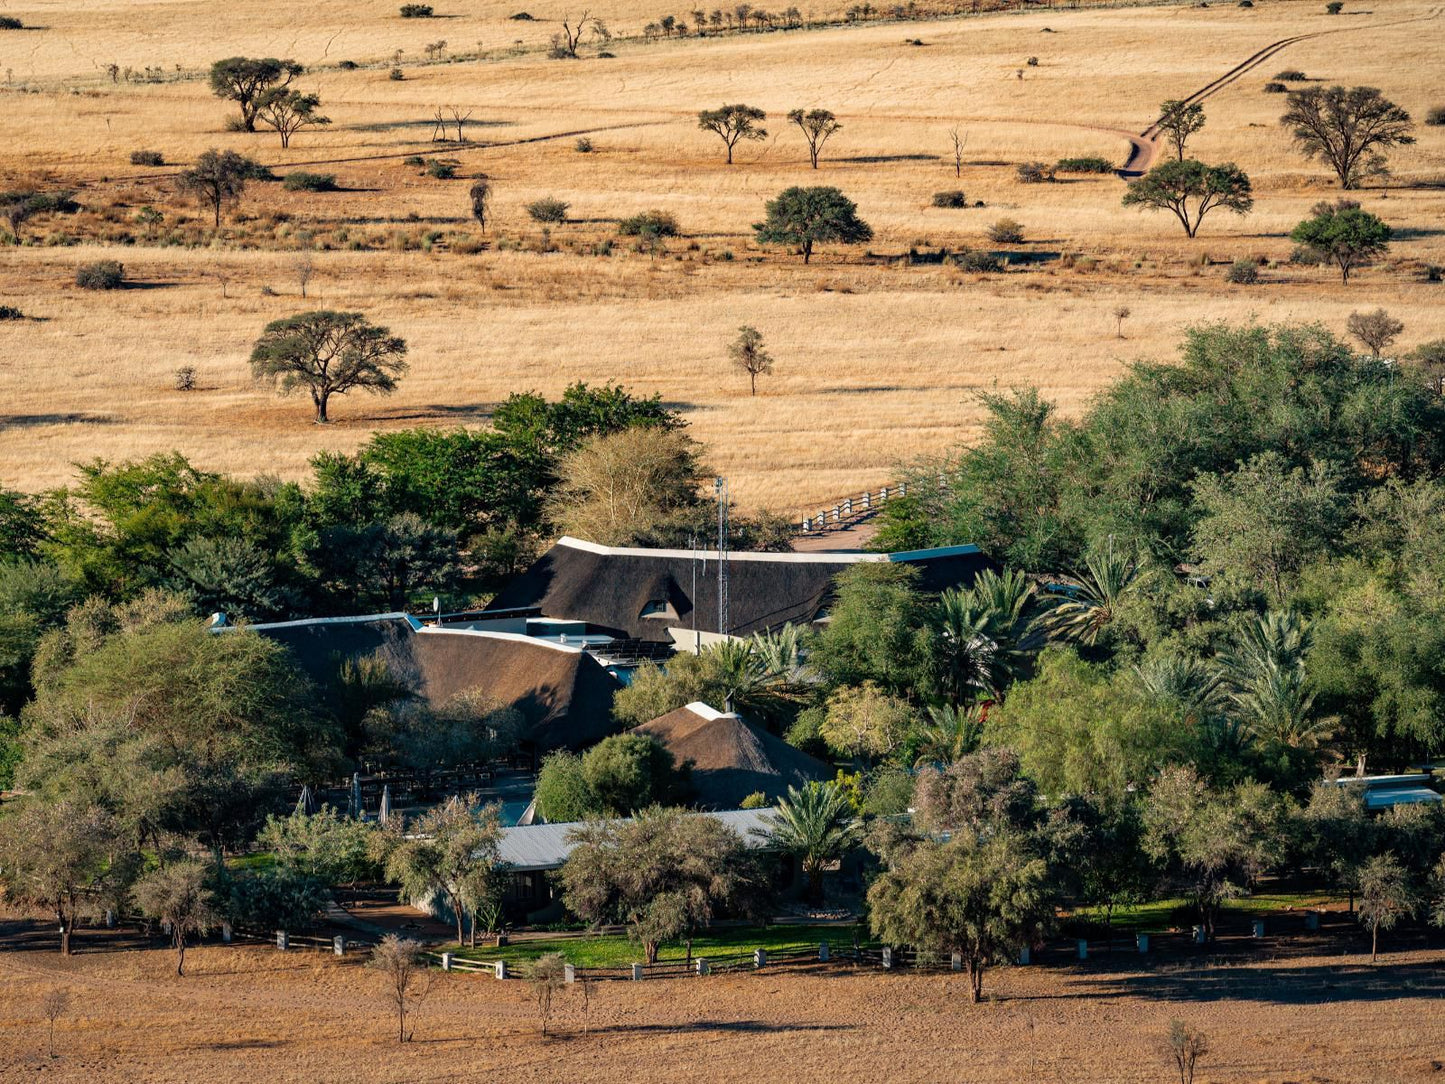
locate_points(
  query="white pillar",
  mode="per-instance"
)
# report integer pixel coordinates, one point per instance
(446, 961)
(226, 932)
(1199, 935)
(109, 919)
(823, 951)
(702, 968)
(1026, 957)
(501, 969)
(760, 957)
(282, 941)
(636, 972)
(887, 958)
(957, 961)
(569, 974)
(338, 945)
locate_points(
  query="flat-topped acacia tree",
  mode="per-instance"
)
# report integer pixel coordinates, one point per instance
(328, 353)
(732, 124)
(805, 217)
(1191, 189)
(246, 80)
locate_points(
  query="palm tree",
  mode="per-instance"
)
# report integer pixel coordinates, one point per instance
(1269, 685)
(817, 825)
(780, 653)
(974, 651)
(1011, 601)
(1106, 581)
(740, 672)
(1189, 686)
(951, 733)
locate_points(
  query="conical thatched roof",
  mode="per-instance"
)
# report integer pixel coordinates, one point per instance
(731, 758)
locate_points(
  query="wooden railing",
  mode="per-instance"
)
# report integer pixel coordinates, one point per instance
(841, 514)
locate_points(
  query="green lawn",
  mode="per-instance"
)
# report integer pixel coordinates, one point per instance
(616, 950)
(1159, 914)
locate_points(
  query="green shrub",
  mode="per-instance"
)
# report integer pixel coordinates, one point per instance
(1304, 256)
(955, 198)
(1242, 273)
(973, 260)
(648, 224)
(414, 160)
(1246, 3)
(1006, 231)
(441, 169)
(1334, 8)
(10, 312)
(147, 158)
(302, 181)
(101, 275)
(1275, 88)
(583, 145)
(186, 378)
(416, 11)
(1084, 165)
(1033, 62)
(1436, 116)
(348, 65)
(548, 209)
(1034, 173)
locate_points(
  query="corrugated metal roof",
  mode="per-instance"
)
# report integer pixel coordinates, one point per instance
(546, 846)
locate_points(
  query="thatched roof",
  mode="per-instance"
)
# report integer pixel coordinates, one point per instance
(564, 693)
(731, 758)
(641, 593)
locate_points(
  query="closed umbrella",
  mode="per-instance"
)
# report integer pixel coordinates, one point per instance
(385, 813)
(306, 804)
(355, 809)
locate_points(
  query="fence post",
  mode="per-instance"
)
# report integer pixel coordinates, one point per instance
(166, 928)
(501, 969)
(569, 974)
(867, 501)
(282, 941)
(807, 524)
(226, 933)
(636, 972)
(887, 958)
(883, 494)
(702, 968)
(446, 961)
(903, 489)
(760, 957)
(1026, 957)
(1141, 942)
(848, 507)
(1312, 920)
(338, 945)
(837, 513)
(823, 951)
(1258, 927)
(1083, 949)
(109, 919)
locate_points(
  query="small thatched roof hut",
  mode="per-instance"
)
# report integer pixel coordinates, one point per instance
(731, 758)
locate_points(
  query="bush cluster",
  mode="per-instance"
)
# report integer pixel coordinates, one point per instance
(1242, 273)
(147, 158)
(1290, 75)
(1035, 173)
(1092, 164)
(302, 181)
(981, 262)
(953, 198)
(10, 312)
(1275, 88)
(101, 275)
(416, 11)
(9, 22)
(1436, 116)
(548, 209)
(1006, 231)
(649, 224)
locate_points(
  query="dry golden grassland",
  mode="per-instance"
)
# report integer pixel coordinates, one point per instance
(877, 361)
(254, 1014)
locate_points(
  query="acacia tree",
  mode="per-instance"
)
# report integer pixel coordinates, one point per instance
(565, 44)
(817, 125)
(17, 208)
(1346, 128)
(1377, 330)
(984, 896)
(1178, 121)
(546, 976)
(733, 123)
(451, 851)
(748, 354)
(1191, 189)
(64, 856)
(663, 874)
(217, 178)
(245, 80)
(1386, 896)
(481, 196)
(177, 894)
(399, 961)
(328, 353)
(809, 216)
(288, 111)
(1344, 234)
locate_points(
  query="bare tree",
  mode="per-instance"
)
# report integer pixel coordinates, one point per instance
(817, 126)
(438, 126)
(546, 976)
(1377, 330)
(459, 118)
(732, 123)
(53, 1005)
(748, 354)
(1121, 313)
(959, 140)
(1184, 1047)
(303, 267)
(565, 44)
(406, 979)
(481, 195)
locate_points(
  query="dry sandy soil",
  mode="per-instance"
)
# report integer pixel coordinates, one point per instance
(877, 362)
(252, 1014)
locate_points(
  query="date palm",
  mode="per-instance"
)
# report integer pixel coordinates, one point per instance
(952, 732)
(1106, 581)
(817, 825)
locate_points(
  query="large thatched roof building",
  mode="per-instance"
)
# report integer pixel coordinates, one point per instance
(660, 595)
(563, 692)
(731, 758)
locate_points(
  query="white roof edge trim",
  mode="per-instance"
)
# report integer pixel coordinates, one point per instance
(300, 622)
(838, 558)
(707, 711)
(432, 630)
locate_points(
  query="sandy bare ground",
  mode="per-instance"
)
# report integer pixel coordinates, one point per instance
(1295, 1011)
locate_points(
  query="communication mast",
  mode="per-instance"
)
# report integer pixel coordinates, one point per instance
(720, 487)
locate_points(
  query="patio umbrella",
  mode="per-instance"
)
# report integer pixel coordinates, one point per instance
(384, 814)
(355, 807)
(306, 804)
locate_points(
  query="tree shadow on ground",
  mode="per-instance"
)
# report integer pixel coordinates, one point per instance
(754, 1027)
(1313, 984)
(33, 421)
